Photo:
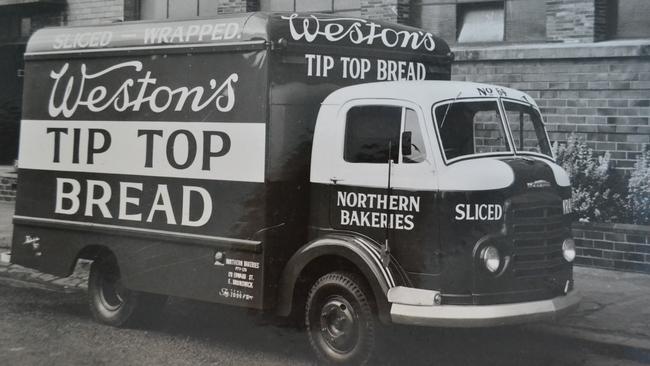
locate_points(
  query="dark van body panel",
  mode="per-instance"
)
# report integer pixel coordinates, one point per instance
(163, 264)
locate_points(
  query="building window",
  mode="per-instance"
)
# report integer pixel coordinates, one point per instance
(480, 22)
(277, 5)
(182, 8)
(341, 7)
(14, 28)
(628, 18)
(10, 28)
(25, 27)
(525, 21)
(164, 9)
(314, 6)
(153, 9)
(468, 21)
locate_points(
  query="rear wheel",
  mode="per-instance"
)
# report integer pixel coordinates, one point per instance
(340, 320)
(113, 304)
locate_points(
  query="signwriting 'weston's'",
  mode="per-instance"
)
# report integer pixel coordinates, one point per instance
(359, 32)
(133, 92)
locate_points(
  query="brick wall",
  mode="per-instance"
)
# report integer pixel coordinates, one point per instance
(389, 10)
(576, 20)
(613, 246)
(602, 19)
(88, 12)
(404, 15)
(7, 187)
(47, 19)
(570, 20)
(601, 91)
(236, 6)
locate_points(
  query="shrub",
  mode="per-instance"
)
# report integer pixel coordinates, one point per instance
(638, 198)
(591, 179)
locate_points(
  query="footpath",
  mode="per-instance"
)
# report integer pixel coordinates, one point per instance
(613, 316)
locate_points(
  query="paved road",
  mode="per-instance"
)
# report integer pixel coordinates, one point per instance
(49, 326)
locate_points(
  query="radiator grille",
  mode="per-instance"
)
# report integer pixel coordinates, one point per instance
(537, 229)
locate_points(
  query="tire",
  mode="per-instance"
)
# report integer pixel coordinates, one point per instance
(340, 320)
(113, 304)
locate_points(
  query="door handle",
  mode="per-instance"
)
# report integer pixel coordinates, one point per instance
(335, 180)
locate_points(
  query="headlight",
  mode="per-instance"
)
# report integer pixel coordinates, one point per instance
(569, 250)
(491, 259)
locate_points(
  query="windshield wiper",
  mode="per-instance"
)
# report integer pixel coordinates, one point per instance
(442, 124)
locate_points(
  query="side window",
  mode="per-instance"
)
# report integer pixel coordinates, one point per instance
(369, 131)
(418, 151)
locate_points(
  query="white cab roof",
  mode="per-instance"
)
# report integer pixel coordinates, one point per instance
(425, 92)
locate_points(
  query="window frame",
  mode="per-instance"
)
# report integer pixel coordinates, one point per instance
(421, 124)
(328, 166)
(506, 129)
(541, 118)
(389, 103)
(168, 14)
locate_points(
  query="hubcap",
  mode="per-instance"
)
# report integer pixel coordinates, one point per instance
(338, 324)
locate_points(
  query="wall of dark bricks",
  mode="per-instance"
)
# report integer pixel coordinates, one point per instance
(613, 246)
(576, 20)
(88, 12)
(7, 188)
(236, 6)
(387, 10)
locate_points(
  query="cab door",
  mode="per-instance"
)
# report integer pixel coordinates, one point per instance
(382, 180)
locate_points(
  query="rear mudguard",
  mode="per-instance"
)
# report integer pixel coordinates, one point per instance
(364, 253)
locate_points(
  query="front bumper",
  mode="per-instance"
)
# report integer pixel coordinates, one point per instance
(405, 311)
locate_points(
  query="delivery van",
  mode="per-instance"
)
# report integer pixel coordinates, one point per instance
(303, 165)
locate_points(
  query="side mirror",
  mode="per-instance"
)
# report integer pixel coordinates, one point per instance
(406, 143)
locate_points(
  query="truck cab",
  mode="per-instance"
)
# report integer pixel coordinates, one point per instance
(452, 189)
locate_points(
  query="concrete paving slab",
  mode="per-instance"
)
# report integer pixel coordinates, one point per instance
(614, 313)
(618, 302)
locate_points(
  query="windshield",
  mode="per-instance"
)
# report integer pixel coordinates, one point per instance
(527, 128)
(470, 127)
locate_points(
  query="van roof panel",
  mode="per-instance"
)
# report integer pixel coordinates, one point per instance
(425, 92)
(287, 29)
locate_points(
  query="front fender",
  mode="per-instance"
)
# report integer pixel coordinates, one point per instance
(363, 253)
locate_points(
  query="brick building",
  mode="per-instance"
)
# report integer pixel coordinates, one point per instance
(587, 62)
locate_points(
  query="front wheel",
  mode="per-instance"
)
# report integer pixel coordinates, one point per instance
(113, 304)
(340, 320)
